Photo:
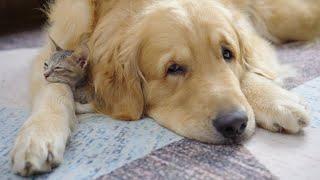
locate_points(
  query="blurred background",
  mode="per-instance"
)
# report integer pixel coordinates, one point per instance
(21, 22)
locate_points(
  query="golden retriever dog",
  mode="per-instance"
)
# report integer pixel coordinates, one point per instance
(201, 68)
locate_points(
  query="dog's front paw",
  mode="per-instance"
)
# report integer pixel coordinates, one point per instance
(37, 149)
(287, 113)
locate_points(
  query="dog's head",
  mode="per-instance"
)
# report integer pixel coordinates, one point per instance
(180, 63)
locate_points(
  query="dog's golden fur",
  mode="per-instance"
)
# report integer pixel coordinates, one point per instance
(134, 41)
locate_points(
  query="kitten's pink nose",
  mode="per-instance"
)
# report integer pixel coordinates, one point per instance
(46, 75)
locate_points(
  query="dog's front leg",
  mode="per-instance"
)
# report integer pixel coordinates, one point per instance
(41, 142)
(275, 108)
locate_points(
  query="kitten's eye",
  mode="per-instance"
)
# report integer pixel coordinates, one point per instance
(227, 54)
(176, 69)
(45, 64)
(58, 68)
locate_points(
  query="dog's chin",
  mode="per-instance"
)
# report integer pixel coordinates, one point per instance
(234, 141)
(217, 138)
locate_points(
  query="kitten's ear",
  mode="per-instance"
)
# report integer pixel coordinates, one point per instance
(56, 47)
(82, 56)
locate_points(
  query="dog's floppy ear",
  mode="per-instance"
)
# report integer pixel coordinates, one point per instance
(251, 47)
(117, 81)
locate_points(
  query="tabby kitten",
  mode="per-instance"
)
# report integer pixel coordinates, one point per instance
(70, 67)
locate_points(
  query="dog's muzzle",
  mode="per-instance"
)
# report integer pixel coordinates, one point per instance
(232, 124)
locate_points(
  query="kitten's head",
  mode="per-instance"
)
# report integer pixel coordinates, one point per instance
(66, 66)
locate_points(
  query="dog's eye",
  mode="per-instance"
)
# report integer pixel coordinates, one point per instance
(227, 54)
(176, 69)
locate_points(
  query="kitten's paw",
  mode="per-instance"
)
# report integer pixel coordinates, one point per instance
(287, 114)
(37, 150)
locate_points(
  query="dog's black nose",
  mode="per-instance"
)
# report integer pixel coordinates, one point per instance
(231, 124)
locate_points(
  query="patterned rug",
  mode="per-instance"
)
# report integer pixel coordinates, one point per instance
(104, 148)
